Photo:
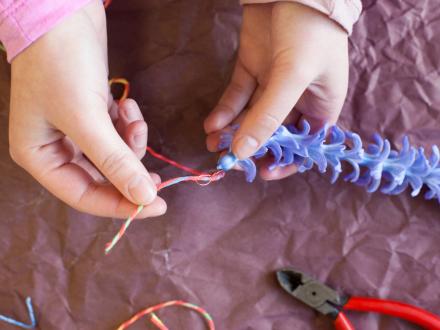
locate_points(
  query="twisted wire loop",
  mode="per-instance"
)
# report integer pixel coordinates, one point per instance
(376, 166)
(158, 322)
(200, 178)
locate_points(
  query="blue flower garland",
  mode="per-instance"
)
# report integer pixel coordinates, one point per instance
(377, 166)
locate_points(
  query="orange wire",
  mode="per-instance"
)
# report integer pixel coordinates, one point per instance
(125, 84)
(107, 3)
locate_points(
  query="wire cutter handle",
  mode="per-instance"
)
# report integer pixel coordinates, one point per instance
(413, 314)
(328, 302)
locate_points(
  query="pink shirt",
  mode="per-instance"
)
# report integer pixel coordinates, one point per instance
(344, 12)
(24, 21)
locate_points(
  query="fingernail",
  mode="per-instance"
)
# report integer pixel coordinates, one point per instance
(223, 118)
(218, 120)
(140, 140)
(211, 124)
(130, 115)
(141, 190)
(246, 146)
(156, 178)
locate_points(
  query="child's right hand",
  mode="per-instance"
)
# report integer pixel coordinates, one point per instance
(64, 125)
(292, 64)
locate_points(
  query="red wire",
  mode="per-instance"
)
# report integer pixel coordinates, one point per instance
(172, 162)
(149, 149)
(394, 308)
(342, 323)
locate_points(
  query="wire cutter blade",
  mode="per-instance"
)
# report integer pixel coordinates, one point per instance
(311, 292)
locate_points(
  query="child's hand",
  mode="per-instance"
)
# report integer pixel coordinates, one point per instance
(292, 60)
(61, 108)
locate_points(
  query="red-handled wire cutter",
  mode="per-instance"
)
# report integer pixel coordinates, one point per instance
(328, 302)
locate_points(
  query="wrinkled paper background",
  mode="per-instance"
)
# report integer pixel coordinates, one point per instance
(218, 246)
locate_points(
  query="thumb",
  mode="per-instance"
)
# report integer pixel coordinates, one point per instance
(98, 139)
(285, 86)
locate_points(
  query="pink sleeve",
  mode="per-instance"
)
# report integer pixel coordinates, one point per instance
(344, 12)
(24, 21)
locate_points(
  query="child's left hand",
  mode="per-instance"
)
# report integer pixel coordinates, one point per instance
(66, 130)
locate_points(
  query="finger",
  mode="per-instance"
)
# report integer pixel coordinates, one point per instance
(285, 86)
(276, 173)
(322, 102)
(127, 112)
(75, 187)
(94, 133)
(213, 139)
(233, 101)
(51, 166)
(73, 154)
(156, 178)
(293, 117)
(256, 96)
(136, 137)
(85, 164)
(131, 126)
